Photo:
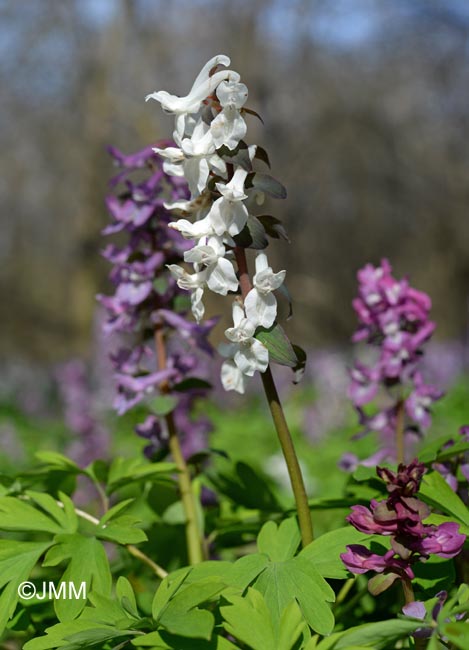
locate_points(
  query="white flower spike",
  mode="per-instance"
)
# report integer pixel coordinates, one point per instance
(209, 121)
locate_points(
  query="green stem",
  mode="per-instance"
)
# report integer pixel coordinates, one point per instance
(193, 535)
(156, 568)
(344, 592)
(133, 550)
(291, 459)
(283, 432)
(409, 597)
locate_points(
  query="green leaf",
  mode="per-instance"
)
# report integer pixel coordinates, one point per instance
(279, 543)
(324, 552)
(165, 641)
(66, 517)
(297, 578)
(17, 560)
(273, 227)
(252, 235)
(247, 488)
(457, 633)
(20, 515)
(163, 404)
(261, 153)
(126, 596)
(120, 529)
(125, 471)
(437, 519)
(266, 183)
(436, 492)
(245, 570)
(249, 620)
(58, 461)
(79, 634)
(370, 635)
(123, 530)
(119, 508)
(278, 344)
(87, 562)
(192, 383)
(181, 614)
(436, 574)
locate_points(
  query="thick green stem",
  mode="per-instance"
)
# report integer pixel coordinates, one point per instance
(400, 442)
(291, 459)
(283, 432)
(193, 535)
(409, 597)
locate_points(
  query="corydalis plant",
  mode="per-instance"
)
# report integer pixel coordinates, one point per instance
(218, 221)
(400, 517)
(161, 366)
(394, 322)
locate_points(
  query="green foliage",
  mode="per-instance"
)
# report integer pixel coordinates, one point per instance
(86, 563)
(249, 619)
(436, 491)
(17, 560)
(274, 598)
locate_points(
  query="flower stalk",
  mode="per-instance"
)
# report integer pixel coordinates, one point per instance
(225, 188)
(193, 535)
(281, 425)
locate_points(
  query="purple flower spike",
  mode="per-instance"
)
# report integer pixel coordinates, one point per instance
(394, 320)
(145, 297)
(401, 517)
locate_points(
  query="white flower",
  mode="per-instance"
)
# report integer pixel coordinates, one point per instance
(221, 276)
(194, 283)
(228, 127)
(231, 377)
(203, 86)
(173, 160)
(228, 213)
(193, 230)
(250, 354)
(260, 303)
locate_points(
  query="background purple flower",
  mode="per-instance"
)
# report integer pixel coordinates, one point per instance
(146, 296)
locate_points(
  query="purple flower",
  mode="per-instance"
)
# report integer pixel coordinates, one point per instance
(416, 609)
(364, 386)
(400, 517)
(404, 482)
(358, 559)
(444, 540)
(420, 401)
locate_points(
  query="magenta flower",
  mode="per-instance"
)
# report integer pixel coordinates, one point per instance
(401, 517)
(358, 559)
(445, 541)
(394, 320)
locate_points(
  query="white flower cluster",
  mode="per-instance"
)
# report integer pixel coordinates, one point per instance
(207, 119)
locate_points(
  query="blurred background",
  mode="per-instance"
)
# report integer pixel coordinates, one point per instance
(365, 104)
